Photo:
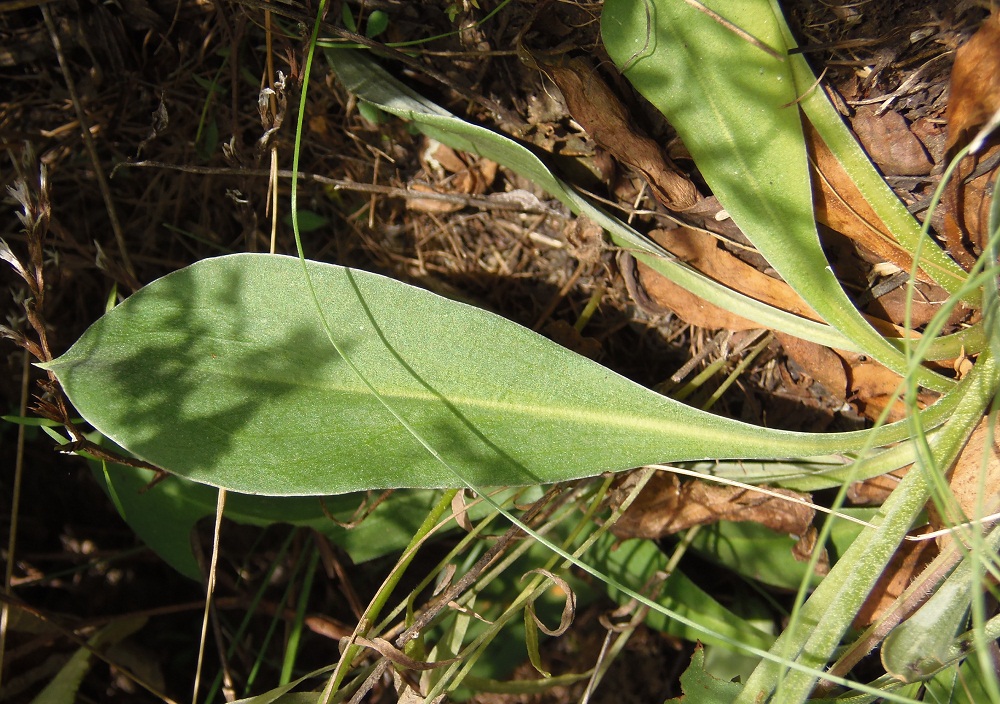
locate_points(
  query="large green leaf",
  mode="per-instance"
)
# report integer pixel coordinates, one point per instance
(222, 372)
(735, 107)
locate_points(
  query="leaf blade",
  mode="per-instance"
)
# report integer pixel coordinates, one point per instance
(220, 372)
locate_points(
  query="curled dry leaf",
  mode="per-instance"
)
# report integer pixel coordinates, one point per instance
(666, 505)
(966, 206)
(399, 658)
(569, 605)
(973, 99)
(599, 111)
(890, 143)
(853, 377)
(454, 173)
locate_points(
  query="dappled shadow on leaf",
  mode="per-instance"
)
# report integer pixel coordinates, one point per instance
(181, 376)
(477, 451)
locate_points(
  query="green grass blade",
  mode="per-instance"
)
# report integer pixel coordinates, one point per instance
(831, 128)
(828, 613)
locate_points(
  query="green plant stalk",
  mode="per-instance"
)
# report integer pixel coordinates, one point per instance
(460, 549)
(385, 591)
(920, 646)
(737, 371)
(458, 672)
(247, 617)
(295, 636)
(829, 611)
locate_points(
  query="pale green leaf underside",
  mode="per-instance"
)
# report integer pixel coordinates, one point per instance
(222, 373)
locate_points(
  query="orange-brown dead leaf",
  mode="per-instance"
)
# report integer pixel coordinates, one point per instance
(974, 481)
(703, 253)
(908, 562)
(841, 206)
(852, 377)
(972, 471)
(561, 332)
(966, 205)
(454, 173)
(890, 143)
(975, 84)
(876, 490)
(974, 97)
(666, 505)
(599, 111)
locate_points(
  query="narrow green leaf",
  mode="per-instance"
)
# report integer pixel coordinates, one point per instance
(734, 106)
(921, 645)
(220, 372)
(761, 554)
(638, 561)
(831, 128)
(826, 616)
(531, 643)
(378, 22)
(375, 85)
(63, 688)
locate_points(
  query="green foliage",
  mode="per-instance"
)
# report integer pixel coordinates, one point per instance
(164, 515)
(222, 373)
(700, 687)
(287, 378)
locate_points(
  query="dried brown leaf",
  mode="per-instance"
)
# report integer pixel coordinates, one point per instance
(890, 143)
(876, 490)
(973, 98)
(976, 470)
(599, 111)
(841, 206)
(399, 658)
(975, 84)
(908, 562)
(666, 505)
(703, 253)
(569, 605)
(561, 332)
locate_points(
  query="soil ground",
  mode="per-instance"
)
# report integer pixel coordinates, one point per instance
(172, 173)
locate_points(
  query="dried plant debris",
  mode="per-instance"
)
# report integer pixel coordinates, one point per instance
(667, 505)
